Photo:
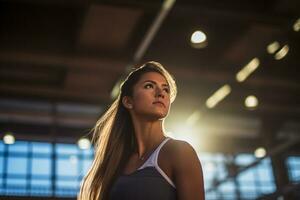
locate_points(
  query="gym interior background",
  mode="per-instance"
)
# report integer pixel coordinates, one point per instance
(236, 64)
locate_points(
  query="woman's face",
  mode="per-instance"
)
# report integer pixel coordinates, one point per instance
(151, 96)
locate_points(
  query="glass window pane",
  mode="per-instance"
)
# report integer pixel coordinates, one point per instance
(65, 167)
(86, 166)
(222, 171)
(246, 176)
(267, 188)
(244, 159)
(66, 149)
(264, 174)
(40, 192)
(16, 186)
(212, 195)
(257, 180)
(213, 169)
(40, 183)
(1, 146)
(66, 188)
(41, 166)
(18, 146)
(17, 165)
(16, 182)
(16, 191)
(87, 152)
(293, 165)
(40, 187)
(41, 147)
(69, 159)
(227, 187)
(1, 164)
(67, 184)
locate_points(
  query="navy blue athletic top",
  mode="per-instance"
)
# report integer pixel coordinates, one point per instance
(149, 182)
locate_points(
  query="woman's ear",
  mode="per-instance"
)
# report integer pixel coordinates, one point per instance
(127, 102)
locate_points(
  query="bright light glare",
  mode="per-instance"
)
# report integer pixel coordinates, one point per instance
(296, 25)
(260, 152)
(282, 52)
(273, 47)
(247, 70)
(9, 139)
(198, 37)
(193, 118)
(188, 134)
(115, 91)
(168, 4)
(219, 95)
(84, 143)
(251, 101)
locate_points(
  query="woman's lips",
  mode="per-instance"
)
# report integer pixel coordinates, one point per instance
(159, 103)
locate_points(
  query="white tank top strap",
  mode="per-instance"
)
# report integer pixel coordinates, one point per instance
(153, 161)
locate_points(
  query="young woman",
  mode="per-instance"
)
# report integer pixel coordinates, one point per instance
(134, 159)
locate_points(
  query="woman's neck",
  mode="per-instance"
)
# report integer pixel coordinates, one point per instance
(148, 135)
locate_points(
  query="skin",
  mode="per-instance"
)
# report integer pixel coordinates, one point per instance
(177, 159)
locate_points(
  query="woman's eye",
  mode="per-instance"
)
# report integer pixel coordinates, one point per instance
(167, 90)
(148, 86)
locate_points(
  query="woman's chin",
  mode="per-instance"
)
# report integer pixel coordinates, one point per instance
(157, 116)
(153, 115)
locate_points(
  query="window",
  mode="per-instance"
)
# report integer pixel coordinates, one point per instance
(55, 169)
(256, 181)
(293, 165)
(249, 184)
(42, 169)
(213, 168)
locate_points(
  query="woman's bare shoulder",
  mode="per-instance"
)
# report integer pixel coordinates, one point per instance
(179, 150)
(186, 170)
(175, 145)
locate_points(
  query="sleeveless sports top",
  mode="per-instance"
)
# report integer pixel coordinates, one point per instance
(148, 182)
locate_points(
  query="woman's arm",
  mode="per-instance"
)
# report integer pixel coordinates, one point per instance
(187, 172)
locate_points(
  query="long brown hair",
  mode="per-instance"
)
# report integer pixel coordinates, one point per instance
(114, 138)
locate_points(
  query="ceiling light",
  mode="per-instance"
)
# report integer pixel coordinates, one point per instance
(273, 47)
(168, 4)
(251, 102)
(220, 94)
(282, 52)
(260, 152)
(296, 25)
(247, 70)
(84, 143)
(9, 138)
(198, 39)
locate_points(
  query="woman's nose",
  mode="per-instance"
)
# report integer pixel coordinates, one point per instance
(159, 92)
